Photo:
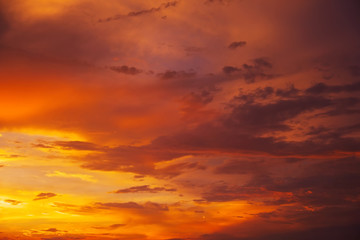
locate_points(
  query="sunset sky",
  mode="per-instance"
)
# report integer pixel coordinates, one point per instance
(179, 120)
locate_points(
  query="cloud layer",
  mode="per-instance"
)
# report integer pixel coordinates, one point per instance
(196, 120)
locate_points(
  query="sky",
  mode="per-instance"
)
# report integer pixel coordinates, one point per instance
(179, 120)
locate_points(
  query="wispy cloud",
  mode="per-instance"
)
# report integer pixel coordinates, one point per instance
(83, 177)
(141, 12)
(42, 196)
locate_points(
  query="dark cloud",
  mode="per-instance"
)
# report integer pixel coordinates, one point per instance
(317, 130)
(262, 62)
(224, 193)
(335, 232)
(328, 183)
(126, 70)
(184, 82)
(324, 88)
(111, 227)
(259, 93)
(170, 74)
(4, 23)
(239, 167)
(218, 236)
(235, 45)
(251, 72)
(133, 205)
(42, 196)
(217, 1)
(52, 230)
(344, 106)
(195, 101)
(330, 233)
(127, 158)
(354, 70)
(177, 169)
(231, 139)
(239, 130)
(144, 189)
(203, 97)
(141, 12)
(267, 92)
(76, 145)
(288, 92)
(269, 117)
(230, 69)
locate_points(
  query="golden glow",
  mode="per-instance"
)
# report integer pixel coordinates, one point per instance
(83, 177)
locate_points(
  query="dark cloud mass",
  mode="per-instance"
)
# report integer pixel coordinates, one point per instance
(331, 233)
(257, 69)
(126, 70)
(4, 24)
(235, 45)
(324, 88)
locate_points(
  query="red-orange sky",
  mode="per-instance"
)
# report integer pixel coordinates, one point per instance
(179, 120)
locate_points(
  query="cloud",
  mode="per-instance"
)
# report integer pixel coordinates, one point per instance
(72, 208)
(42, 196)
(271, 116)
(141, 12)
(4, 23)
(251, 72)
(225, 193)
(171, 74)
(217, 1)
(288, 92)
(12, 202)
(76, 45)
(321, 88)
(239, 167)
(52, 230)
(354, 70)
(132, 205)
(111, 227)
(69, 145)
(195, 101)
(176, 169)
(330, 233)
(254, 96)
(235, 45)
(76, 145)
(230, 69)
(279, 154)
(126, 70)
(84, 177)
(129, 158)
(144, 189)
